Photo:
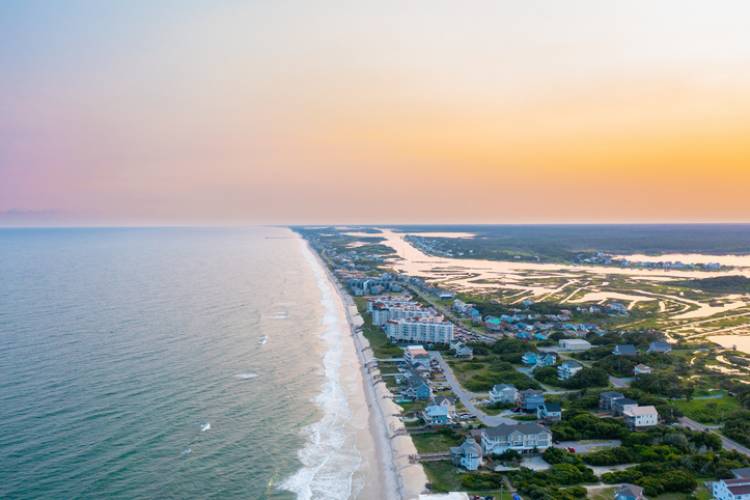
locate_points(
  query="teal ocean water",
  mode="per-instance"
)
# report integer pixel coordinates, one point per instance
(164, 363)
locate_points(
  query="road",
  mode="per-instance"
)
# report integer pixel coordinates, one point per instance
(467, 397)
(727, 443)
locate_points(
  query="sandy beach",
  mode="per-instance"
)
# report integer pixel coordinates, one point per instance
(393, 477)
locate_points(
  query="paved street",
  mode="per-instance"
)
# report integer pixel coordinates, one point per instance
(467, 396)
(725, 441)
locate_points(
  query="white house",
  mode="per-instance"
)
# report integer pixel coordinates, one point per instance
(503, 393)
(574, 345)
(641, 369)
(523, 438)
(431, 330)
(732, 489)
(638, 417)
(568, 368)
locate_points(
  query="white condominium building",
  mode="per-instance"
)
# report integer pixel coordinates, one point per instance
(381, 315)
(429, 330)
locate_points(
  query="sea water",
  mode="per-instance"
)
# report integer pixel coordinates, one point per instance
(170, 363)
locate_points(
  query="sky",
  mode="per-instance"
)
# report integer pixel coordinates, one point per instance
(240, 112)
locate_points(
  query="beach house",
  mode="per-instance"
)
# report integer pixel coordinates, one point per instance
(625, 350)
(659, 347)
(416, 355)
(641, 369)
(639, 417)
(621, 404)
(448, 403)
(731, 489)
(417, 388)
(529, 358)
(629, 492)
(607, 399)
(523, 438)
(468, 455)
(549, 411)
(531, 400)
(436, 415)
(548, 359)
(568, 369)
(504, 393)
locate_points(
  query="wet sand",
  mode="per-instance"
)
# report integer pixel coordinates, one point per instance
(391, 476)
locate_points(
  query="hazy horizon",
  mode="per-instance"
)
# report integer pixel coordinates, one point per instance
(226, 113)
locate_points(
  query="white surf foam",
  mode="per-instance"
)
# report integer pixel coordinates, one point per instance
(206, 427)
(245, 376)
(330, 456)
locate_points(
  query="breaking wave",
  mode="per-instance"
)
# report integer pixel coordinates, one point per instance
(330, 456)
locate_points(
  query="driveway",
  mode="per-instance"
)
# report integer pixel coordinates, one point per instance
(467, 397)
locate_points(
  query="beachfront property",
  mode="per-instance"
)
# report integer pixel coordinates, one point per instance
(468, 455)
(523, 438)
(448, 403)
(639, 417)
(574, 345)
(629, 492)
(549, 411)
(432, 330)
(436, 415)
(416, 355)
(568, 369)
(607, 399)
(625, 350)
(641, 369)
(659, 347)
(417, 387)
(504, 393)
(531, 400)
(732, 489)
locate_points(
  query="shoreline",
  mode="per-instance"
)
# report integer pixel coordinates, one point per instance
(400, 478)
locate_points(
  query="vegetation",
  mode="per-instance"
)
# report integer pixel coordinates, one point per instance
(719, 284)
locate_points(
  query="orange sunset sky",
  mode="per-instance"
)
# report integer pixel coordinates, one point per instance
(233, 112)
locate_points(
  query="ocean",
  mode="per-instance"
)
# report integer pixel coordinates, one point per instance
(175, 363)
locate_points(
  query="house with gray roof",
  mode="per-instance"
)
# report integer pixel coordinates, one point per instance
(468, 455)
(523, 438)
(503, 393)
(659, 347)
(531, 400)
(625, 350)
(607, 399)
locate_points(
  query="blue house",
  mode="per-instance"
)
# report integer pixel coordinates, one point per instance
(541, 336)
(529, 358)
(523, 336)
(436, 415)
(531, 399)
(418, 388)
(548, 359)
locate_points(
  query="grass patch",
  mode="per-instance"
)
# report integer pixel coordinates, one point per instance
(443, 477)
(708, 411)
(435, 442)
